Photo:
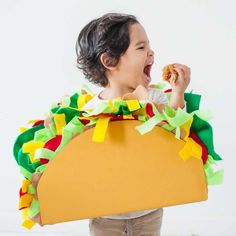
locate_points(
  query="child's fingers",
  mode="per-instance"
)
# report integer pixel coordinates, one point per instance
(172, 81)
(180, 72)
(181, 65)
(185, 69)
(185, 75)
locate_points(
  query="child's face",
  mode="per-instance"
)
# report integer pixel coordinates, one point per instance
(130, 69)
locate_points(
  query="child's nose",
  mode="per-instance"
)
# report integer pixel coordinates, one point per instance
(151, 53)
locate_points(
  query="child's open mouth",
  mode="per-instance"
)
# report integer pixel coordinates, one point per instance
(147, 70)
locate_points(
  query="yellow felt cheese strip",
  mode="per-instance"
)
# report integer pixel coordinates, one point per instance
(83, 99)
(25, 185)
(191, 149)
(25, 200)
(30, 147)
(60, 122)
(186, 127)
(196, 150)
(128, 116)
(23, 129)
(112, 106)
(133, 104)
(32, 121)
(100, 129)
(92, 117)
(27, 223)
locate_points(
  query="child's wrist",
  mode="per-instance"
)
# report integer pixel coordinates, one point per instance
(177, 100)
(177, 93)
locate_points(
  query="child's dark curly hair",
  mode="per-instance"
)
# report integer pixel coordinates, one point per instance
(110, 34)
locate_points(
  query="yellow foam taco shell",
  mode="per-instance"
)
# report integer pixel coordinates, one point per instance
(127, 172)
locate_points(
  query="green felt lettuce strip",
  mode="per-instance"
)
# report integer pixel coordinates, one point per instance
(101, 108)
(41, 168)
(27, 174)
(34, 208)
(213, 176)
(150, 123)
(44, 153)
(45, 134)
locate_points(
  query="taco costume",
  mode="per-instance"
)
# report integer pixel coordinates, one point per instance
(93, 172)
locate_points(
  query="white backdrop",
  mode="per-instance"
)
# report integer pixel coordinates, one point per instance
(37, 61)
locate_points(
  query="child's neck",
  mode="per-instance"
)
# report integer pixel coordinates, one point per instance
(114, 92)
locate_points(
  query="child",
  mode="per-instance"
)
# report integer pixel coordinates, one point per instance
(114, 52)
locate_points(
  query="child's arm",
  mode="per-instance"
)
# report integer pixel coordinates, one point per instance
(179, 86)
(177, 100)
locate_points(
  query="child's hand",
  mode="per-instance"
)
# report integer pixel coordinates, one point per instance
(180, 85)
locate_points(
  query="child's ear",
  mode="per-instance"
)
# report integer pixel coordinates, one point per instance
(107, 61)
